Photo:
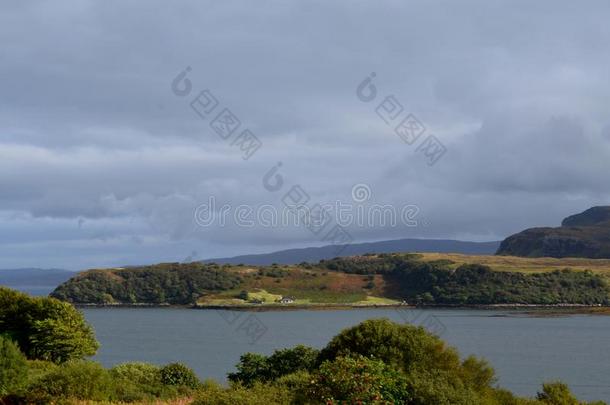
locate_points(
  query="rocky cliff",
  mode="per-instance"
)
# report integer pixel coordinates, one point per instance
(582, 235)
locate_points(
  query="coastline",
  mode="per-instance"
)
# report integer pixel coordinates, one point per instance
(535, 309)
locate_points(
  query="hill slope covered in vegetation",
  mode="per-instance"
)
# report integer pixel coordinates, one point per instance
(384, 279)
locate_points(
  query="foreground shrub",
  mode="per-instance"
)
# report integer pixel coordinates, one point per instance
(179, 374)
(299, 381)
(407, 347)
(39, 368)
(557, 393)
(212, 393)
(140, 381)
(75, 380)
(477, 374)
(128, 382)
(13, 367)
(442, 387)
(137, 372)
(430, 371)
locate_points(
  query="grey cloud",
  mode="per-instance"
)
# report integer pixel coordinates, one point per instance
(90, 130)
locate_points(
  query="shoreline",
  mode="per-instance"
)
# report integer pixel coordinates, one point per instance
(595, 309)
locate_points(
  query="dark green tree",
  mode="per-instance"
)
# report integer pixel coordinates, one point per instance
(45, 328)
(406, 347)
(288, 361)
(433, 371)
(253, 367)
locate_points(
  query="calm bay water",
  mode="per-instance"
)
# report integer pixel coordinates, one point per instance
(525, 351)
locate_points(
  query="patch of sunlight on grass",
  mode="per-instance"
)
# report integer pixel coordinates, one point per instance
(264, 296)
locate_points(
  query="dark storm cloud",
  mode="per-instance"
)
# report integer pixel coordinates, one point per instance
(100, 164)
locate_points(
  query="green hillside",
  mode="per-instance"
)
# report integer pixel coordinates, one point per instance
(369, 280)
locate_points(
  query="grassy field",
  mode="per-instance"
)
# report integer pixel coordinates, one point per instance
(524, 264)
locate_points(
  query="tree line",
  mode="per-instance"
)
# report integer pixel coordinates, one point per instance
(167, 283)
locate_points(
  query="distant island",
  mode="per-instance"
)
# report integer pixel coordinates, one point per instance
(582, 235)
(358, 281)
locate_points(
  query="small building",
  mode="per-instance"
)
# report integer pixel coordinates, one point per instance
(287, 300)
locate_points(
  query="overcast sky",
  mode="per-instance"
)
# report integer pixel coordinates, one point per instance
(102, 164)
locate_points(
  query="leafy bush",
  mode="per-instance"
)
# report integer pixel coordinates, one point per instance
(405, 346)
(258, 394)
(287, 361)
(140, 373)
(139, 381)
(13, 367)
(39, 368)
(179, 374)
(477, 373)
(298, 382)
(433, 372)
(254, 367)
(358, 380)
(556, 393)
(84, 380)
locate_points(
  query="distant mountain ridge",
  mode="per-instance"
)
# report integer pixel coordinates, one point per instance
(315, 254)
(586, 234)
